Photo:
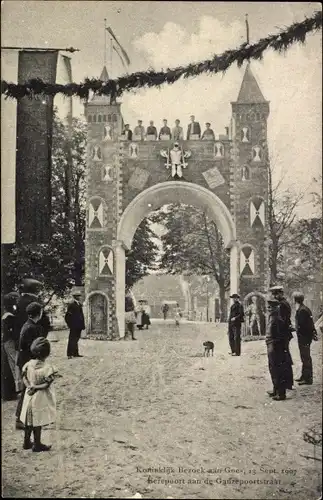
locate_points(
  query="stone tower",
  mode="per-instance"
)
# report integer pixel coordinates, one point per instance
(249, 188)
(105, 124)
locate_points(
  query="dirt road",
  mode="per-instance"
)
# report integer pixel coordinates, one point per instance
(205, 425)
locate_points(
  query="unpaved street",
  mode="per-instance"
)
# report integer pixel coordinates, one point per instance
(129, 407)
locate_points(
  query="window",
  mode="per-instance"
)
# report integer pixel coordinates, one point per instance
(96, 213)
(247, 261)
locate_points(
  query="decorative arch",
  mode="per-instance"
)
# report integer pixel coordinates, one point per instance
(257, 211)
(106, 261)
(170, 192)
(96, 209)
(97, 307)
(247, 260)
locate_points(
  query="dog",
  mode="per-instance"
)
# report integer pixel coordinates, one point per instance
(208, 347)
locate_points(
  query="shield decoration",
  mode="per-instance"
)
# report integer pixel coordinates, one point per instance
(96, 214)
(247, 261)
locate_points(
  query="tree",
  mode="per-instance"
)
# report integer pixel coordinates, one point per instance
(282, 206)
(142, 256)
(59, 264)
(192, 244)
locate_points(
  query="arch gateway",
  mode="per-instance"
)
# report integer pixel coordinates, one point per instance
(127, 179)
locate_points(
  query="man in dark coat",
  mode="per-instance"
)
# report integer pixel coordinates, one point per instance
(236, 318)
(193, 128)
(29, 293)
(30, 331)
(306, 332)
(285, 312)
(74, 319)
(276, 350)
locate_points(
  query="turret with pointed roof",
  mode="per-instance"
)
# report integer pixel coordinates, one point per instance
(250, 92)
(102, 109)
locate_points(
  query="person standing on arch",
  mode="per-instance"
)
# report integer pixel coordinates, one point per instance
(193, 128)
(74, 319)
(236, 318)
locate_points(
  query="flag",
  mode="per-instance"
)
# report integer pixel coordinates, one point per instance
(120, 56)
(9, 65)
(124, 53)
(26, 136)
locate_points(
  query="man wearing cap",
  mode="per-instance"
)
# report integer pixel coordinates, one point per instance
(208, 134)
(236, 317)
(306, 332)
(275, 341)
(139, 130)
(177, 131)
(30, 291)
(193, 128)
(30, 331)
(74, 319)
(285, 314)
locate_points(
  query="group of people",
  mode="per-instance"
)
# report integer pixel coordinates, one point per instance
(165, 133)
(278, 336)
(25, 350)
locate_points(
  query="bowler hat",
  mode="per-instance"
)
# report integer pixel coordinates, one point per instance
(234, 296)
(30, 285)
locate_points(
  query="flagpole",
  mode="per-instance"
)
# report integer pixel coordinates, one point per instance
(105, 43)
(111, 48)
(247, 29)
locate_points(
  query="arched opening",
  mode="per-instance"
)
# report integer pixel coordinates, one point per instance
(165, 194)
(98, 313)
(255, 314)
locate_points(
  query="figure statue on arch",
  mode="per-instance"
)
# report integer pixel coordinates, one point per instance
(256, 316)
(176, 160)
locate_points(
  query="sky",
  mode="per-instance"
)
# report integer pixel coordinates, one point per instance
(165, 34)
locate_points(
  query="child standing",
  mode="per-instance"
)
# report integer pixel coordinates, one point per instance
(39, 404)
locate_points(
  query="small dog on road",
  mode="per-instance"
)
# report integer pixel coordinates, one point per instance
(208, 347)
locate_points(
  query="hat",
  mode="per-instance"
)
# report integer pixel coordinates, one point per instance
(40, 346)
(76, 292)
(30, 284)
(234, 296)
(33, 309)
(176, 144)
(11, 298)
(276, 288)
(208, 123)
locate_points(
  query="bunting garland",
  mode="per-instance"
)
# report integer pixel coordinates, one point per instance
(219, 63)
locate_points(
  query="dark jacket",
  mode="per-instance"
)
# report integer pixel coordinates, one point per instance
(29, 332)
(74, 316)
(237, 312)
(22, 316)
(276, 331)
(285, 313)
(129, 305)
(127, 134)
(304, 323)
(193, 128)
(8, 329)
